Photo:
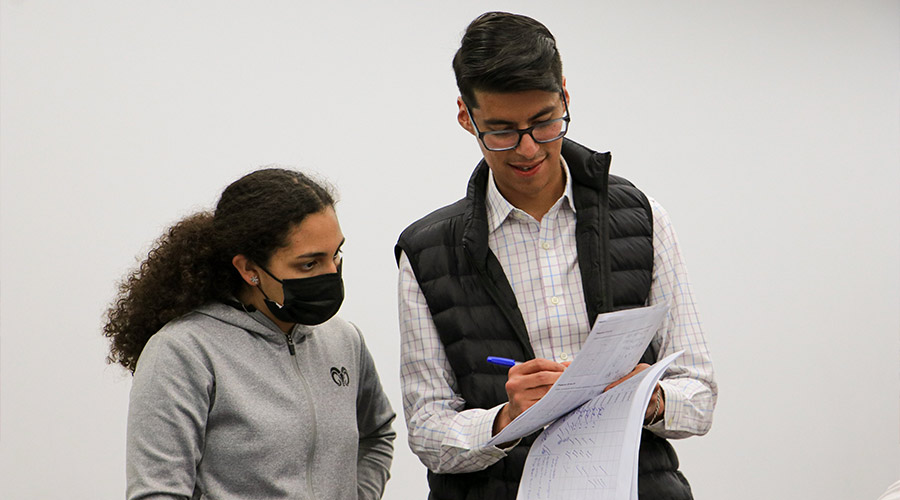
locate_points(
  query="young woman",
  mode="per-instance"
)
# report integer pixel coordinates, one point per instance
(245, 384)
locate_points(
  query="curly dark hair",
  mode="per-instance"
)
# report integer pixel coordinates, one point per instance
(190, 265)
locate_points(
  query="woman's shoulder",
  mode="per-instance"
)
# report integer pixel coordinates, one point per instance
(193, 324)
(202, 336)
(339, 324)
(194, 330)
(176, 344)
(338, 331)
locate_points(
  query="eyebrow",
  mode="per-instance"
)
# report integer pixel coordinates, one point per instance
(548, 109)
(320, 254)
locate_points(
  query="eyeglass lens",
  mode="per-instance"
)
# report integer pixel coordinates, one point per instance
(544, 132)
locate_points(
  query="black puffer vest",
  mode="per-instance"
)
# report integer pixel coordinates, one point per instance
(476, 314)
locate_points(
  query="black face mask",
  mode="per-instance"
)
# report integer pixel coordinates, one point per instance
(308, 301)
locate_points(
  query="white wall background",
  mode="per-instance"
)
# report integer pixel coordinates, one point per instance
(769, 129)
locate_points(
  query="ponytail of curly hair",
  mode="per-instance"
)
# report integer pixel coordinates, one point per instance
(190, 265)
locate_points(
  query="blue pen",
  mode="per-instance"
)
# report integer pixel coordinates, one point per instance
(502, 361)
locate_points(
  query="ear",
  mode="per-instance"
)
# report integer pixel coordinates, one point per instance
(566, 92)
(246, 269)
(463, 117)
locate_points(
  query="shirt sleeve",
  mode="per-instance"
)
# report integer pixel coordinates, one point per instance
(445, 437)
(374, 416)
(689, 383)
(167, 412)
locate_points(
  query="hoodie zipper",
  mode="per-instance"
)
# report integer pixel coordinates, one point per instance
(311, 454)
(290, 342)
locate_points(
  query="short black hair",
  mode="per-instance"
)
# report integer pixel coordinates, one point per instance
(503, 52)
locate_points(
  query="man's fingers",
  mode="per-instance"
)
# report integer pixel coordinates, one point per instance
(637, 369)
(522, 400)
(536, 365)
(541, 381)
(528, 382)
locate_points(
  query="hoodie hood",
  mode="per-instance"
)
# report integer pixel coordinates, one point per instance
(252, 320)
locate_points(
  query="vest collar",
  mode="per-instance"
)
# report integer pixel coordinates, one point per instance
(584, 166)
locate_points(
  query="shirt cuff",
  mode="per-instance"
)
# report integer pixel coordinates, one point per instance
(490, 431)
(480, 429)
(671, 399)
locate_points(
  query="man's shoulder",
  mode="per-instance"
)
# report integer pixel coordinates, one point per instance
(437, 219)
(437, 228)
(616, 180)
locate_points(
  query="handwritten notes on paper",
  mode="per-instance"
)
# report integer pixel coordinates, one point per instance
(611, 351)
(592, 452)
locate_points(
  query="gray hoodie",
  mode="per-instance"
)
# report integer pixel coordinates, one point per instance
(221, 409)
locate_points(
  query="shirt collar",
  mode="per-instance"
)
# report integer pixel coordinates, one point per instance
(499, 209)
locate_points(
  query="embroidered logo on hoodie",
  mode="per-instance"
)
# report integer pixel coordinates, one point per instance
(340, 377)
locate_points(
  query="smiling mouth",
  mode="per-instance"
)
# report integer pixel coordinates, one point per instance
(526, 168)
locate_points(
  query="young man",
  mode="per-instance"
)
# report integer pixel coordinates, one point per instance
(544, 241)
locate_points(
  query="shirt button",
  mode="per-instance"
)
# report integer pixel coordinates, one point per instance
(563, 356)
(545, 245)
(554, 300)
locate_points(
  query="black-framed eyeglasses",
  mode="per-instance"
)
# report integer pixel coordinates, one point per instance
(541, 133)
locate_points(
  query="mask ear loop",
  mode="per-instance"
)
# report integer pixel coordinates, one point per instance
(250, 308)
(270, 274)
(235, 303)
(263, 291)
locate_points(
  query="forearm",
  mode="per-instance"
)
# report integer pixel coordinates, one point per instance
(373, 463)
(688, 408)
(689, 385)
(375, 419)
(450, 441)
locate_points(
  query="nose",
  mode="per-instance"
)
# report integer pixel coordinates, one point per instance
(527, 147)
(335, 264)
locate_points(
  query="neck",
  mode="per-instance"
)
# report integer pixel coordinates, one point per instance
(538, 205)
(253, 296)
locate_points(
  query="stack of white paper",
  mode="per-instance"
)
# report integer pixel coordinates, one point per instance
(611, 351)
(592, 452)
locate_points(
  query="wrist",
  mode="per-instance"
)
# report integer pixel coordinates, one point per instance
(657, 403)
(501, 420)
